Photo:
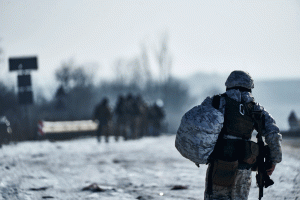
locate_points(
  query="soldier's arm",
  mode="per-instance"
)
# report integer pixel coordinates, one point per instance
(272, 136)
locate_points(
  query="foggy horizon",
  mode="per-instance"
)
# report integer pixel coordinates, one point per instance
(210, 37)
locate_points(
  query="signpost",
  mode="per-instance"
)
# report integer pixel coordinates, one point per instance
(23, 65)
(25, 97)
(24, 80)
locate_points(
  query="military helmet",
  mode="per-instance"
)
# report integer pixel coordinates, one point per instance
(239, 79)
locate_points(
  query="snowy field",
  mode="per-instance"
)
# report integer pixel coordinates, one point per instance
(144, 169)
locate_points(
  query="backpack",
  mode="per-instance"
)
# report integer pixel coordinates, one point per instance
(199, 130)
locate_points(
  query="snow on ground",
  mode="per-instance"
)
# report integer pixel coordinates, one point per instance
(143, 169)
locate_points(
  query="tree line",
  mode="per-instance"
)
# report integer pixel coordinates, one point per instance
(77, 93)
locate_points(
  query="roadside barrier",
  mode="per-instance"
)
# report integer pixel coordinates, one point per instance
(57, 130)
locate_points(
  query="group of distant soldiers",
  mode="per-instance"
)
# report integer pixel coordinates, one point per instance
(131, 118)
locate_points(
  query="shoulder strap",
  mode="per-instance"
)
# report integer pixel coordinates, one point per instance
(216, 100)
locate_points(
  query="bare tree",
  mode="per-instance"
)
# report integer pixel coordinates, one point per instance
(120, 74)
(145, 65)
(165, 65)
(63, 75)
(164, 60)
(81, 78)
(133, 72)
(71, 76)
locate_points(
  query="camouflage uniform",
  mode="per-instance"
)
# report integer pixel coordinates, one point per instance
(141, 119)
(103, 115)
(132, 112)
(239, 191)
(241, 187)
(120, 114)
(155, 117)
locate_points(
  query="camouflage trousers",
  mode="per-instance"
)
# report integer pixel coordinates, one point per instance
(239, 191)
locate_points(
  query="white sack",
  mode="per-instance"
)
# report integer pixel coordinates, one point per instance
(198, 132)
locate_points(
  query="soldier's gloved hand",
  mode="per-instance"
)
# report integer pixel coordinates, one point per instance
(270, 171)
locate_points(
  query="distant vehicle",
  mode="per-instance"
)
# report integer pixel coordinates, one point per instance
(5, 131)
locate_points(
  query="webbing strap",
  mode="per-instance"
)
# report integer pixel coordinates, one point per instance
(209, 181)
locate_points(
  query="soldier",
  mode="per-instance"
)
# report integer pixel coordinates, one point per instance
(141, 119)
(132, 111)
(103, 116)
(155, 116)
(119, 112)
(228, 174)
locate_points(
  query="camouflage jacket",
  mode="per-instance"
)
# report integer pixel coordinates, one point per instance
(200, 127)
(271, 131)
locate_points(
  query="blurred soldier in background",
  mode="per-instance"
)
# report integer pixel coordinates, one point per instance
(133, 118)
(132, 112)
(102, 115)
(155, 116)
(141, 119)
(120, 118)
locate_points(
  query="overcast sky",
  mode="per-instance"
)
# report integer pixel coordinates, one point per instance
(259, 36)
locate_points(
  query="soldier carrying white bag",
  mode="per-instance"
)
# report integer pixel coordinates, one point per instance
(218, 133)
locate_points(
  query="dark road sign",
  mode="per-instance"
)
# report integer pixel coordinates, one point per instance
(22, 63)
(25, 97)
(24, 80)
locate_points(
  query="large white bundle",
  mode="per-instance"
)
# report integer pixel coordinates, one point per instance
(198, 132)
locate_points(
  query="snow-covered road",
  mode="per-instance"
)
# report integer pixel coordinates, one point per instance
(138, 169)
